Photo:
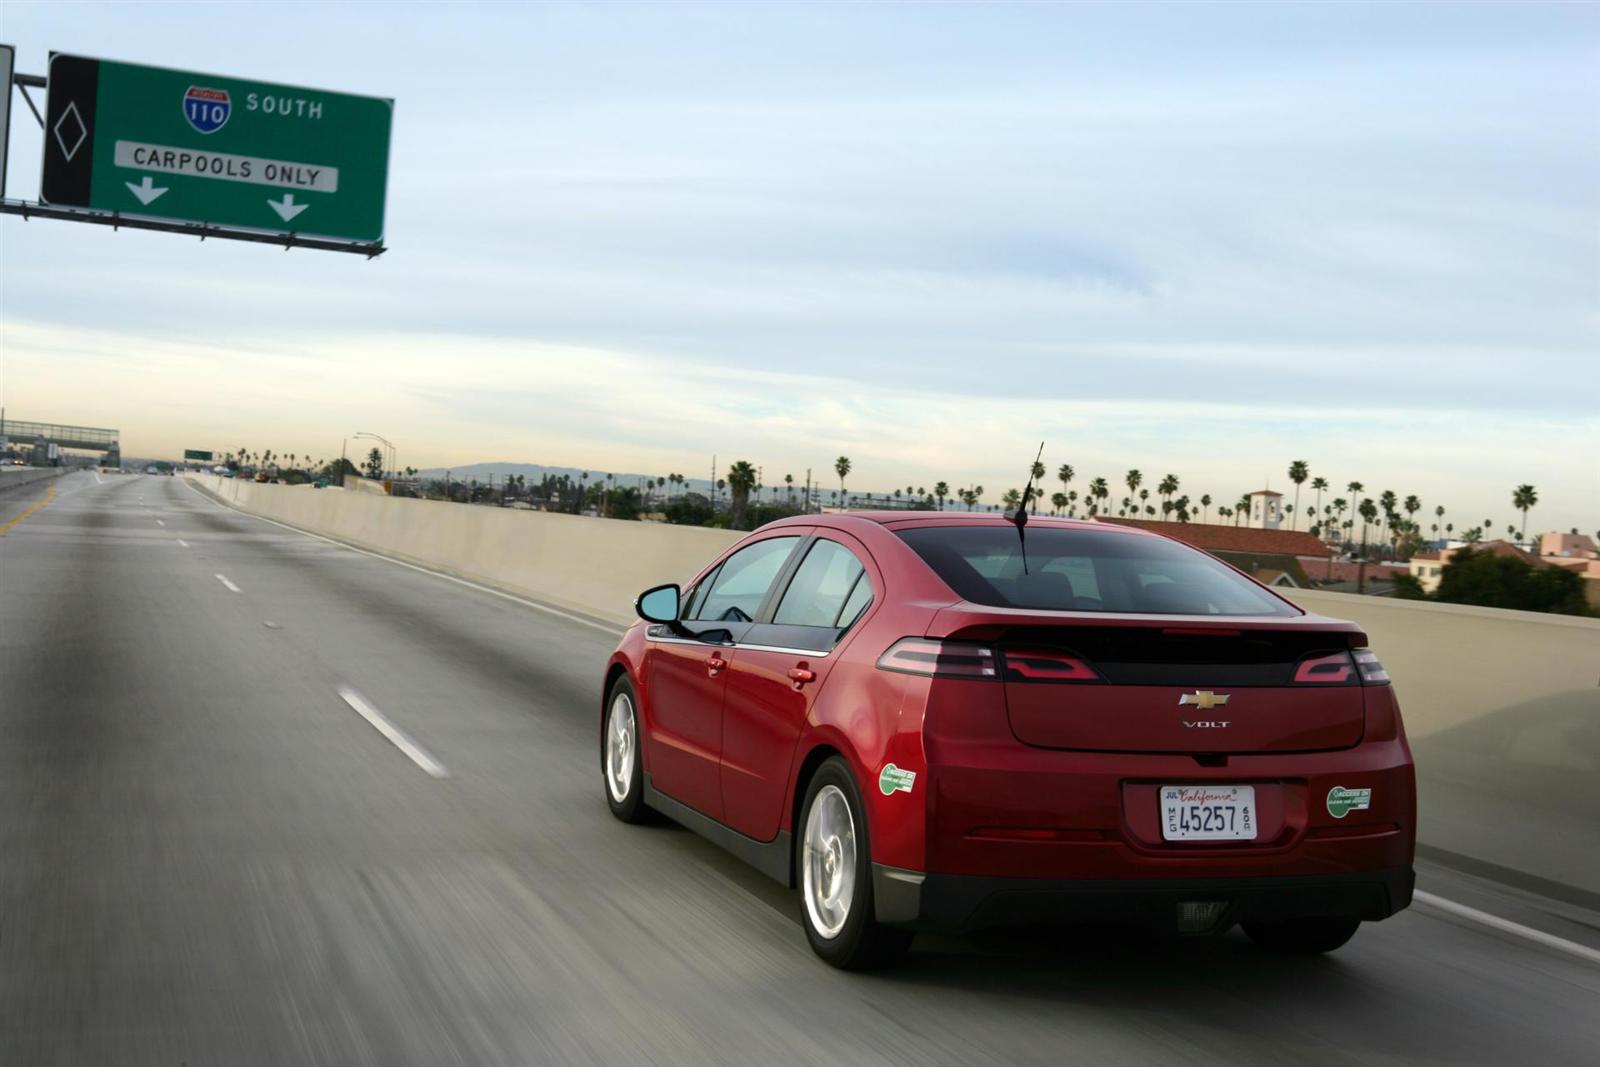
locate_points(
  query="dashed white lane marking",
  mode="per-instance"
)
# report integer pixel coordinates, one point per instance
(1506, 926)
(418, 754)
(182, 542)
(614, 631)
(160, 523)
(223, 578)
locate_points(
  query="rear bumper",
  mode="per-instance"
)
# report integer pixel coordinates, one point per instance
(961, 902)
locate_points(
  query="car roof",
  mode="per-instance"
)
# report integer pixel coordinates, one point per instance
(901, 520)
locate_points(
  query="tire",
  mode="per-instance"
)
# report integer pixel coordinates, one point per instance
(833, 859)
(621, 768)
(1302, 937)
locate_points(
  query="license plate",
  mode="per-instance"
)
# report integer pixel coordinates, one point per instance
(1208, 812)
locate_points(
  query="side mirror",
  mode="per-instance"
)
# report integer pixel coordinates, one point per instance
(659, 604)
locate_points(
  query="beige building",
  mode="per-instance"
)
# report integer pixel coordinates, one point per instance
(1568, 546)
(1266, 510)
(1426, 567)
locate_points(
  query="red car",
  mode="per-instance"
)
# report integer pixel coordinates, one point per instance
(937, 720)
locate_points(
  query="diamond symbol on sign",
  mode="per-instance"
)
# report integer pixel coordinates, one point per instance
(75, 131)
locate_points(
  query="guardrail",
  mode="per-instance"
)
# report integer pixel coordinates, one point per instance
(1502, 707)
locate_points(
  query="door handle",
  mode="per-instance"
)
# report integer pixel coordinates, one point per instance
(800, 676)
(715, 663)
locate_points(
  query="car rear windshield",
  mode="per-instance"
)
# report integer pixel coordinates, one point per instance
(1086, 570)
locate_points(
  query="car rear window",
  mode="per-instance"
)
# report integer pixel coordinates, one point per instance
(1086, 570)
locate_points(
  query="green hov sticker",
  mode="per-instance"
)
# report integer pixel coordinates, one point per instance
(894, 780)
(1342, 801)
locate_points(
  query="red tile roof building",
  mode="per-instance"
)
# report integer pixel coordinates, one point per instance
(1213, 537)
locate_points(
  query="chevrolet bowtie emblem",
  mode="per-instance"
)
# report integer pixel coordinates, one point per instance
(1204, 699)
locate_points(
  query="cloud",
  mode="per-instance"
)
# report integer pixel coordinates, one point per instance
(1206, 239)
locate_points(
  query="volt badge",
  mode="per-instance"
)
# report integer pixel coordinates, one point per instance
(207, 110)
(1203, 699)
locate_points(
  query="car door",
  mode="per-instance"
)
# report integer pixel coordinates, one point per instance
(687, 672)
(782, 663)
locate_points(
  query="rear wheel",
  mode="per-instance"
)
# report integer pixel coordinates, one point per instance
(835, 864)
(619, 754)
(1302, 936)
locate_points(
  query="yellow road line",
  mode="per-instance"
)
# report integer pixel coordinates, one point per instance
(49, 495)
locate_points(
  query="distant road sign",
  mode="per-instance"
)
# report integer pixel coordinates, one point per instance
(195, 453)
(174, 144)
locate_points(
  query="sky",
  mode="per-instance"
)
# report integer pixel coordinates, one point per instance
(1186, 238)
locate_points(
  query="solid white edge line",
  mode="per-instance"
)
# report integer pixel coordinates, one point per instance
(534, 604)
(1494, 922)
(223, 578)
(418, 755)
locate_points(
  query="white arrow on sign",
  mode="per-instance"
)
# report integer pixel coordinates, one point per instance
(146, 191)
(286, 208)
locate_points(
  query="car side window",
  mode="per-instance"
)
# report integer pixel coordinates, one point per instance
(741, 584)
(697, 597)
(855, 604)
(823, 587)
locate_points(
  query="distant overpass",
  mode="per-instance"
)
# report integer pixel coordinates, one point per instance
(89, 438)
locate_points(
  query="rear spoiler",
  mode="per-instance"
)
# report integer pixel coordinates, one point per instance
(980, 622)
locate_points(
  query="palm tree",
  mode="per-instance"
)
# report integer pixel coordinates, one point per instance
(1523, 498)
(1438, 513)
(1389, 503)
(1058, 502)
(941, 490)
(1133, 478)
(788, 484)
(1168, 486)
(1205, 506)
(977, 495)
(741, 478)
(842, 467)
(1072, 503)
(1369, 512)
(1319, 483)
(1011, 498)
(1065, 473)
(1298, 473)
(1101, 491)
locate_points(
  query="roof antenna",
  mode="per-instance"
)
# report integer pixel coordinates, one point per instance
(1020, 519)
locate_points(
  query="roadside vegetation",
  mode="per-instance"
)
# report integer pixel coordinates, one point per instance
(1381, 526)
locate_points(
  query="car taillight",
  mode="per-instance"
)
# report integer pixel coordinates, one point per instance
(939, 659)
(1335, 669)
(1047, 665)
(1372, 672)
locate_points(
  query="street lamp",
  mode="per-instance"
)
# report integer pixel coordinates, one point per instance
(390, 457)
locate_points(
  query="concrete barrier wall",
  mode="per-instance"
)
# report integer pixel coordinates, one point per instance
(1502, 707)
(1503, 712)
(16, 479)
(592, 566)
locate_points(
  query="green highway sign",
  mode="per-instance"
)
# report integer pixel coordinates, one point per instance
(205, 148)
(195, 453)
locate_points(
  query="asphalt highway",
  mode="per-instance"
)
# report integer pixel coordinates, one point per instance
(214, 851)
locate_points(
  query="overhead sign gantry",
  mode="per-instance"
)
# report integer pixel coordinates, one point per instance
(212, 155)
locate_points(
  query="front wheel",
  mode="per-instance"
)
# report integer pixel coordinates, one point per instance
(1302, 937)
(619, 754)
(835, 864)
